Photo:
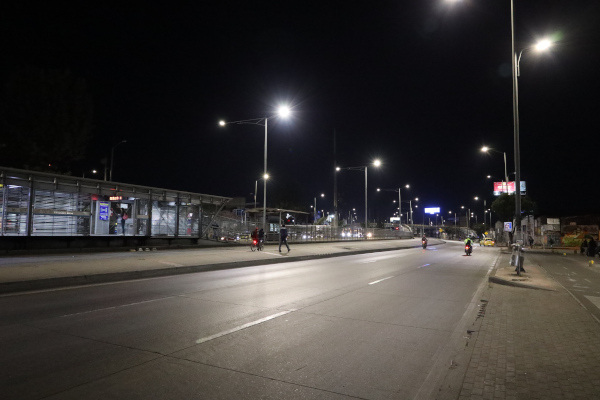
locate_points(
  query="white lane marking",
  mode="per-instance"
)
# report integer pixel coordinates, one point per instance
(587, 280)
(171, 264)
(424, 265)
(240, 327)
(367, 262)
(594, 300)
(119, 306)
(372, 283)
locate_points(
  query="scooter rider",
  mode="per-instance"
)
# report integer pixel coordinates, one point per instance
(423, 239)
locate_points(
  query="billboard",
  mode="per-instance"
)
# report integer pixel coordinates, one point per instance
(432, 210)
(507, 187)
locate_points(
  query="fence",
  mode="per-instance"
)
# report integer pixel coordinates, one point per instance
(228, 229)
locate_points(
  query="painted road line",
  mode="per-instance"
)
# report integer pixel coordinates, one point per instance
(424, 265)
(240, 327)
(372, 283)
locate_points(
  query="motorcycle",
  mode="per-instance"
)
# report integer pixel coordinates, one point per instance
(468, 249)
(256, 245)
(424, 243)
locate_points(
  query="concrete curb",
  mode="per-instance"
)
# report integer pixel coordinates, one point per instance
(70, 281)
(501, 281)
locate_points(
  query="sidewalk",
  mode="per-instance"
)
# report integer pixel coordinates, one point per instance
(23, 273)
(532, 344)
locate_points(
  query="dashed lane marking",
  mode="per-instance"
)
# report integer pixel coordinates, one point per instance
(374, 282)
(240, 327)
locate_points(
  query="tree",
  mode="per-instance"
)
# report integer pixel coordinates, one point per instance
(46, 120)
(504, 206)
(479, 229)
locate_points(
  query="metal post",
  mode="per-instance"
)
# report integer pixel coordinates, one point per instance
(315, 211)
(255, 190)
(516, 125)
(400, 206)
(264, 221)
(366, 220)
(335, 204)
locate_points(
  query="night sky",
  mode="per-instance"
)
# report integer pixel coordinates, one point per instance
(419, 84)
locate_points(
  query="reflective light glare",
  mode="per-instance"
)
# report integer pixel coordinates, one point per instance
(485, 148)
(222, 123)
(377, 163)
(543, 45)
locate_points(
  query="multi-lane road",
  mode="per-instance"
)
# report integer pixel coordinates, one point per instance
(388, 325)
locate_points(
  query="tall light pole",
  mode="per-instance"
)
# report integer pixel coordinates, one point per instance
(315, 213)
(376, 163)
(485, 149)
(516, 72)
(399, 199)
(112, 156)
(264, 121)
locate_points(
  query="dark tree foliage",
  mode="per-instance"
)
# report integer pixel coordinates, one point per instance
(46, 120)
(504, 206)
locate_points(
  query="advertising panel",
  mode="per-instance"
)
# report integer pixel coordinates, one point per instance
(432, 210)
(508, 227)
(507, 187)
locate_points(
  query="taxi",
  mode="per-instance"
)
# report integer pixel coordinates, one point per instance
(488, 242)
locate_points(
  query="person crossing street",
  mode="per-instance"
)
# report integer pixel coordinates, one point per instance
(283, 237)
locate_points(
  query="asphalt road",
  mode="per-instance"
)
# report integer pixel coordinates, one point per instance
(387, 325)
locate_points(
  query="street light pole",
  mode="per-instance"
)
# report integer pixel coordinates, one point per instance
(112, 156)
(283, 112)
(264, 219)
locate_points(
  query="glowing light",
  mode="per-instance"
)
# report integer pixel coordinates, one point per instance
(222, 123)
(543, 45)
(484, 149)
(377, 163)
(284, 111)
(266, 176)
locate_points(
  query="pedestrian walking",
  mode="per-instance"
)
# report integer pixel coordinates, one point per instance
(124, 217)
(591, 250)
(283, 234)
(530, 242)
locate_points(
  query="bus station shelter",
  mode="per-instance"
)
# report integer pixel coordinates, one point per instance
(41, 205)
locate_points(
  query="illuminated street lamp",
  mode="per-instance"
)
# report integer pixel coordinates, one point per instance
(399, 198)
(283, 112)
(485, 149)
(376, 163)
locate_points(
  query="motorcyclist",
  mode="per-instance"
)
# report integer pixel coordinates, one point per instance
(423, 239)
(468, 242)
(254, 234)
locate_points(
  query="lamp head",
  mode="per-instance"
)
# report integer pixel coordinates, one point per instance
(222, 123)
(377, 163)
(284, 111)
(543, 45)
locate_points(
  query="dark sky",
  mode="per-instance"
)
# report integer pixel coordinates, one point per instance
(419, 84)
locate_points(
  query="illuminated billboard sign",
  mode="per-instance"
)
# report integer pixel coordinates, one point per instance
(507, 187)
(432, 210)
